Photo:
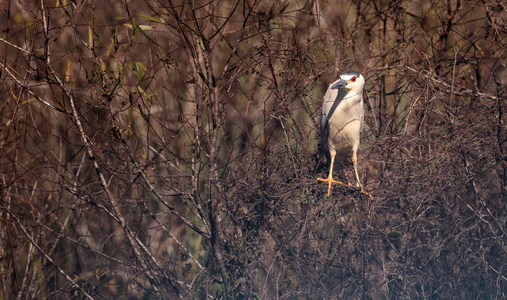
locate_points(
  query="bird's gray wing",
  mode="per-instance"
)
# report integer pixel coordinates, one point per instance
(328, 108)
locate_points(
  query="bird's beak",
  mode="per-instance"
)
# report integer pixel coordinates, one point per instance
(340, 84)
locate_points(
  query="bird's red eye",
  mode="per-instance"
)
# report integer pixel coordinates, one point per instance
(353, 79)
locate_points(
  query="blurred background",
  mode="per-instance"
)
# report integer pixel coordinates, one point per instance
(170, 150)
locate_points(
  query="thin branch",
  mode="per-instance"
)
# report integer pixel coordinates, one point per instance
(32, 241)
(26, 88)
(461, 91)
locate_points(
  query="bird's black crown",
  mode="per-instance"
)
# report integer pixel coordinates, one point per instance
(355, 73)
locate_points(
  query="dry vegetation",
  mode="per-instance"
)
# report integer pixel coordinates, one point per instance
(169, 150)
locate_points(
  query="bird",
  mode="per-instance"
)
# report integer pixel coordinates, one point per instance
(341, 122)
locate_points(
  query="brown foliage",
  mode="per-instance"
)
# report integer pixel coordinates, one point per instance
(154, 149)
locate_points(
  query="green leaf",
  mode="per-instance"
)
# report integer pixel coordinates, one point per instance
(150, 18)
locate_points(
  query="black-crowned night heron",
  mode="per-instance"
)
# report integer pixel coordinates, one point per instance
(341, 121)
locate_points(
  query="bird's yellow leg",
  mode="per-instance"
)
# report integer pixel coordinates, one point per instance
(359, 185)
(329, 179)
(354, 161)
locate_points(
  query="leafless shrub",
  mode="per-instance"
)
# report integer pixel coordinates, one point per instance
(157, 149)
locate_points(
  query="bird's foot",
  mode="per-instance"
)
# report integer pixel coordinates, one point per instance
(366, 193)
(330, 181)
(360, 188)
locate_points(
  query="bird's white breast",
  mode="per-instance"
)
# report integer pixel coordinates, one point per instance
(345, 123)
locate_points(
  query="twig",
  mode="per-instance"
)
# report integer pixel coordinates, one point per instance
(461, 91)
(26, 88)
(32, 241)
